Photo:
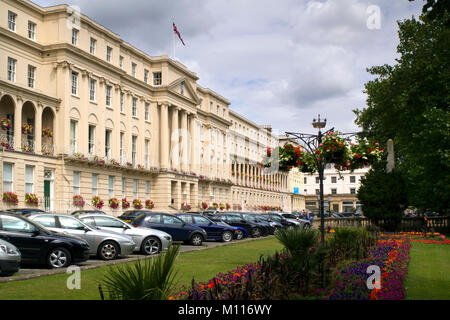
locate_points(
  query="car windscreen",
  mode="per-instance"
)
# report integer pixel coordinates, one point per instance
(289, 216)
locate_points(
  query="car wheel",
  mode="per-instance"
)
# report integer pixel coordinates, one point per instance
(196, 240)
(108, 250)
(239, 234)
(256, 232)
(151, 245)
(227, 236)
(59, 258)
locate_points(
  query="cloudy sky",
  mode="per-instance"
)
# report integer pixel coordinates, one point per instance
(278, 62)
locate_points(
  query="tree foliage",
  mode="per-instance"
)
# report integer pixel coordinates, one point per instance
(409, 103)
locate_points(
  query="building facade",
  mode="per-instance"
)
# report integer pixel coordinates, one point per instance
(85, 113)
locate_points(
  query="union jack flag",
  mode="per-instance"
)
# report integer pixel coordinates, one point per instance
(175, 30)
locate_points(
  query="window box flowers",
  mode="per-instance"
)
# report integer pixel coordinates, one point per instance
(228, 207)
(47, 132)
(113, 203)
(6, 145)
(222, 206)
(5, 123)
(27, 128)
(204, 205)
(10, 198)
(149, 204)
(97, 202)
(137, 204)
(125, 203)
(185, 206)
(31, 198)
(78, 201)
(215, 205)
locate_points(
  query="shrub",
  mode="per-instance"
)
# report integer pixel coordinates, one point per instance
(147, 279)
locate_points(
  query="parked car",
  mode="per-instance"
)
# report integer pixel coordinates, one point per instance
(213, 230)
(104, 244)
(9, 258)
(26, 211)
(274, 225)
(169, 223)
(276, 218)
(252, 229)
(130, 215)
(78, 212)
(337, 215)
(291, 218)
(210, 213)
(240, 233)
(38, 245)
(263, 226)
(148, 241)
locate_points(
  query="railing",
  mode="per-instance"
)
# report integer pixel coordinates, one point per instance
(48, 149)
(438, 224)
(7, 141)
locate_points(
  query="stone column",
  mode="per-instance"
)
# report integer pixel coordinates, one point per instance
(18, 125)
(174, 140)
(193, 139)
(184, 143)
(38, 129)
(164, 138)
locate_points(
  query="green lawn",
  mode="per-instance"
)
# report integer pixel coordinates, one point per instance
(428, 272)
(202, 265)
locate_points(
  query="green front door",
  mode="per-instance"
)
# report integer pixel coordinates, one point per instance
(47, 195)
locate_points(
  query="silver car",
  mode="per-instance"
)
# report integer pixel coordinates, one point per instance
(305, 224)
(104, 244)
(10, 258)
(148, 241)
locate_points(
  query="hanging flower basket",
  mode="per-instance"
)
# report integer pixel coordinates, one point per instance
(27, 128)
(31, 198)
(137, 204)
(363, 154)
(5, 123)
(149, 204)
(78, 201)
(333, 149)
(125, 203)
(97, 202)
(47, 132)
(10, 198)
(113, 203)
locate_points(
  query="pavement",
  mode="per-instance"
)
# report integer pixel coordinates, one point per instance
(32, 272)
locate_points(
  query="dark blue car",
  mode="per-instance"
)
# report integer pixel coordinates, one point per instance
(213, 230)
(177, 228)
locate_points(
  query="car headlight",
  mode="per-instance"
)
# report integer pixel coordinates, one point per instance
(8, 250)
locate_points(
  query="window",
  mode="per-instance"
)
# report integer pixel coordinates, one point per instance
(74, 83)
(200, 220)
(7, 177)
(123, 187)
(156, 218)
(93, 46)
(147, 153)
(108, 144)
(135, 188)
(171, 220)
(31, 76)
(31, 30)
(352, 179)
(108, 222)
(147, 112)
(352, 191)
(133, 69)
(12, 21)
(147, 189)
(46, 221)
(121, 147)
(133, 149)
(15, 224)
(76, 183)
(108, 95)
(94, 184)
(109, 54)
(187, 219)
(145, 75)
(92, 84)
(29, 179)
(121, 62)
(70, 223)
(157, 78)
(305, 180)
(317, 180)
(333, 191)
(317, 191)
(73, 136)
(91, 141)
(12, 69)
(134, 107)
(333, 180)
(111, 186)
(121, 101)
(75, 33)
(210, 106)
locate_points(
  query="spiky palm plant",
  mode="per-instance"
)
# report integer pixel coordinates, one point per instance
(147, 279)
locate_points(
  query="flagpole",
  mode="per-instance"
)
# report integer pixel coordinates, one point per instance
(173, 44)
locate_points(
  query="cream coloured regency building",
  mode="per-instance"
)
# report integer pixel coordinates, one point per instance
(86, 113)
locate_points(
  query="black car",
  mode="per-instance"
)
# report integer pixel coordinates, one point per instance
(277, 218)
(130, 215)
(266, 229)
(213, 230)
(177, 228)
(78, 212)
(39, 245)
(26, 211)
(235, 220)
(273, 225)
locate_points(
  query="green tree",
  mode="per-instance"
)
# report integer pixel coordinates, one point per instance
(409, 102)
